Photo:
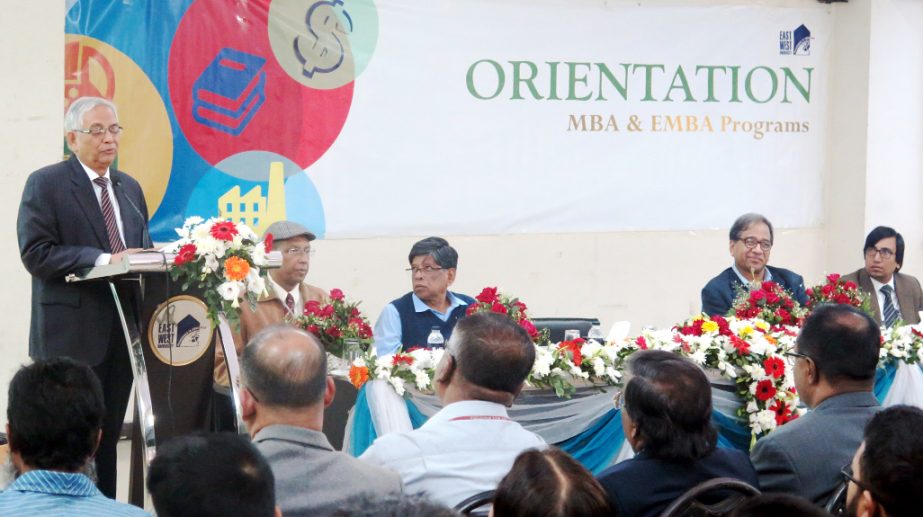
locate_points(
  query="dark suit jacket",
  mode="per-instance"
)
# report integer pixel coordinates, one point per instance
(718, 294)
(907, 288)
(645, 486)
(61, 230)
(804, 456)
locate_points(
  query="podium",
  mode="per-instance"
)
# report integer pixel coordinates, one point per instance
(171, 346)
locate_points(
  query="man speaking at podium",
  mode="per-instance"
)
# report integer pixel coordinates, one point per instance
(77, 214)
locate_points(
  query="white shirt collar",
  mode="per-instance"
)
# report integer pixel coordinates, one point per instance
(93, 174)
(420, 306)
(767, 275)
(878, 285)
(465, 408)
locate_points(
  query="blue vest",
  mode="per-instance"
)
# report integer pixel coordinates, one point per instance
(416, 326)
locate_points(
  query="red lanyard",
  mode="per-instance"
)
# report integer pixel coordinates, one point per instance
(479, 417)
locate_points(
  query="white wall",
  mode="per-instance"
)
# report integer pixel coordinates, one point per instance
(644, 277)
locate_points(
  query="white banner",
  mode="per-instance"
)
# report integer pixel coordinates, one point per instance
(486, 117)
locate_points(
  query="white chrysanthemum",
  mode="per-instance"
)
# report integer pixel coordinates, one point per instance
(398, 385)
(590, 348)
(599, 367)
(613, 374)
(211, 264)
(258, 255)
(383, 369)
(229, 291)
(192, 221)
(256, 285)
(752, 407)
(422, 380)
(698, 357)
(422, 358)
(543, 361)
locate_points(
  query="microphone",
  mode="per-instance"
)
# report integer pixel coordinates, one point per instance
(146, 241)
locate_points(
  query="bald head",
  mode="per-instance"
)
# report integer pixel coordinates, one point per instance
(285, 367)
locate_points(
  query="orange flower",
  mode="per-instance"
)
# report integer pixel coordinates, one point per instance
(358, 375)
(771, 339)
(236, 268)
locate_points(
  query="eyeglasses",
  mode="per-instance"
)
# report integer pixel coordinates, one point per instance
(798, 354)
(752, 242)
(292, 252)
(427, 270)
(618, 400)
(115, 129)
(885, 253)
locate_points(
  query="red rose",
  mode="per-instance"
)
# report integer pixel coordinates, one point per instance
(224, 230)
(354, 322)
(498, 307)
(809, 292)
(769, 286)
(850, 285)
(471, 309)
(765, 390)
(827, 290)
(365, 331)
(267, 242)
(772, 298)
(641, 342)
(833, 277)
(327, 311)
(487, 295)
(783, 315)
(355, 312)
(336, 294)
(312, 308)
(742, 347)
(774, 366)
(186, 254)
(313, 329)
(756, 296)
(697, 327)
(334, 332)
(529, 328)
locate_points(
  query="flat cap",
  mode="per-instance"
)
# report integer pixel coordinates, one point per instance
(282, 230)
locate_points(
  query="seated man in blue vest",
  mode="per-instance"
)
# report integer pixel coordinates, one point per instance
(409, 320)
(751, 241)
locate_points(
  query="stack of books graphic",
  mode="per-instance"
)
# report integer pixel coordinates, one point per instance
(229, 91)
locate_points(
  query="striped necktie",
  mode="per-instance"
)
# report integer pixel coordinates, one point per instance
(888, 312)
(290, 303)
(115, 240)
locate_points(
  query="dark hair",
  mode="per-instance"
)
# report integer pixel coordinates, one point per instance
(549, 483)
(435, 247)
(883, 232)
(774, 505)
(285, 380)
(892, 464)
(55, 412)
(492, 351)
(669, 399)
(843, 341)
(368, 504)
(211, 475)
(746, 221)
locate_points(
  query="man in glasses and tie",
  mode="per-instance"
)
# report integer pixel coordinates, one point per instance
(286, 295)
(895, 296)
(77, 214)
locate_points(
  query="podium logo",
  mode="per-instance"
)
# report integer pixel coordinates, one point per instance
(179, 332)
(796, 42)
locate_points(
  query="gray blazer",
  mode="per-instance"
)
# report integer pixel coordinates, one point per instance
(314, 479)
(804, 457)
(907, 288)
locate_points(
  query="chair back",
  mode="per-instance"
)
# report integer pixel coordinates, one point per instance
(557, 326)
(836, 505)
(691, 503)
(478, 504)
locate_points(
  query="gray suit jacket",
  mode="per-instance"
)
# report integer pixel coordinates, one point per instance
(907, 288)
(314, 479)
(804, 457)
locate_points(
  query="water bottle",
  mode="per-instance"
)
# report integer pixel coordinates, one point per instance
(435, 339)
(595, 332)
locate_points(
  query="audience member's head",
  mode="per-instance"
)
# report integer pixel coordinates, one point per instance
(549, 483)
(887, 470)
(209, 475)
(367, 505)
(54, 413)
(433, 265)
(836, 352)
(487, 358)
(884, 253)
(284, 379)
(667, 407)
(778, 505)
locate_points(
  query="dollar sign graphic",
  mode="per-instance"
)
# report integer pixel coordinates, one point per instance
(323, 48)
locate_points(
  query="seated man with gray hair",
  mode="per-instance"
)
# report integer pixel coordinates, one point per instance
(284, 390)
(471, 443)
(409, 320)
(751, 240)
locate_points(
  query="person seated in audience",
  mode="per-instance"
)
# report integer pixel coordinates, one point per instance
(368, 505)
(286, 295)
(54, 417)
(284, 390)
(409, 320)
(751, 241)
(893, 295)
(666, 414)
(835, 357)
(887, 470)
(549, 483)
(778, 505)
(471, 443)
(211, 475)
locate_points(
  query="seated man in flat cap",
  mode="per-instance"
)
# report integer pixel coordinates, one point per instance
(286, 295)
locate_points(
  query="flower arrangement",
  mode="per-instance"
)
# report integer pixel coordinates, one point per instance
(835, 290)
(588, 361)
(490, 300)
(901, 344)
(769, 302)
(335, 323)
(224, 260)
(750, 352)
(416, 366)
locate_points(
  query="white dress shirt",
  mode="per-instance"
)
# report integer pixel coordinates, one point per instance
(281, 293)
(464, 449)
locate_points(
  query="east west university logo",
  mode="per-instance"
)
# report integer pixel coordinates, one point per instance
(796, 42)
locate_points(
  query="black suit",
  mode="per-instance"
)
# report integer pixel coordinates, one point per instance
(61, 230)
(719, 293)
